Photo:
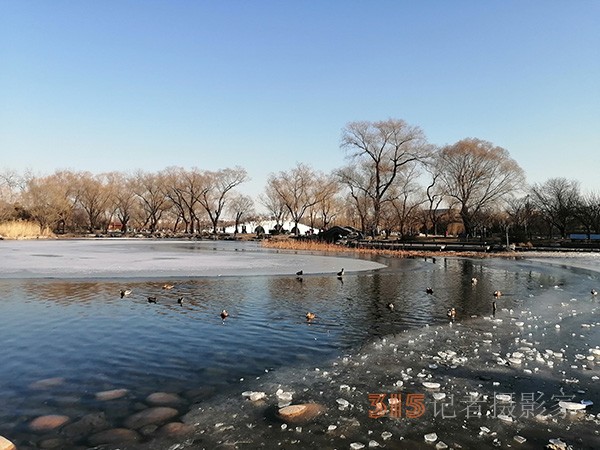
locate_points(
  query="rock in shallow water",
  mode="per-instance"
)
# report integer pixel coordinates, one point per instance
(163, 399)
(150, 416)
(111, 395)
(114, 436)
(47, 423)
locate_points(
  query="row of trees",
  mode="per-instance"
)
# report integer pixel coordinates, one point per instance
(394, 181)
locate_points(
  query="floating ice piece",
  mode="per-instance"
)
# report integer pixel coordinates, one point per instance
(441, 445)
(430, 385)
(255, 396)
(485, 430)
(519, 324)
(571, 406)
(357, 445)
(595, 351)
(519, 439)
(343, 402)
(344, 387)
(331, 427)
(386, 435)
(373, 443)
(399, 383)
(431, 437)
(439, 396)
(504, 397)
(505, 418)
(587, 402)
(514, 360)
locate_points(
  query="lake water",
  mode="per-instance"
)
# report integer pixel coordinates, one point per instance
(63, 321)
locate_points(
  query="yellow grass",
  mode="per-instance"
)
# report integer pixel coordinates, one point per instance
(301, 245)
(18, 229)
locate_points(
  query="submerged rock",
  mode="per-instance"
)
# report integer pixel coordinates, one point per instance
(111, 395)
(47, 383)
(114, 436)
(163, 399)
(150, 416)
(47, 423)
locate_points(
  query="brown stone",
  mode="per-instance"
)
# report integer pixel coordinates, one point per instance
(88, 424)
(5, 444)
(111, 395)
(47, 383)
(114, 436)
(176, 429)
(163, 399)
(150, 416)
(52, 443)
(47, 423)
(300, 413)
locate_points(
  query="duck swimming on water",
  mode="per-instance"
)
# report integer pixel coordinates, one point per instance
(125, 292)
(451, 313)
(341, 272)
(497, 294)
(429, 290)
(152, 300)
(310, 316)
(224, 314)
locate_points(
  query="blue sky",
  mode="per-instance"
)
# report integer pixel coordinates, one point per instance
(125, 85)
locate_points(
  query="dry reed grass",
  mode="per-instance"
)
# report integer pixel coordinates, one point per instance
(18, 229)
(314, 246)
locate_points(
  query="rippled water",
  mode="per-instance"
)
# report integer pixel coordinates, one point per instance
(80, 330)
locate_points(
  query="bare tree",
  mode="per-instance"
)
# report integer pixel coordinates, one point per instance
(240, 205)
(51, 200)
(297, 189)
(557, 199)
(275, 205)
(381, 149)
(588, 212)
(185, 188)
(122, 198)
(219, 188)
(149, 188)
(477, 175)
(93, 197)
(407, 197)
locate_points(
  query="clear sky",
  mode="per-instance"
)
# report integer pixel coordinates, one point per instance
(125, 85)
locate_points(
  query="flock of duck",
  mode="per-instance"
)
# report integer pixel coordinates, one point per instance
(451, 313)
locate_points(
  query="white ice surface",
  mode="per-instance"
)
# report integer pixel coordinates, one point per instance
(99, 258)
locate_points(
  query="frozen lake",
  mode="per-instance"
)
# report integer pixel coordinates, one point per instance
(68, 336)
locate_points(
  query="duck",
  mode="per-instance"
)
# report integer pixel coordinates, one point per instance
(168, 286)
(310, 316)
(390, 306)
(341, 272)
(451, 313)
(300, 273)
(125, 292)
(152, 300)
(180, 300)
(473, 280)
(497, 294)
(224, 314)
(594, 292)
(429, 290)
